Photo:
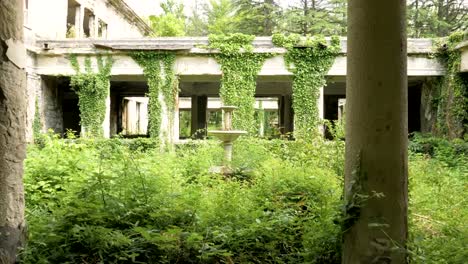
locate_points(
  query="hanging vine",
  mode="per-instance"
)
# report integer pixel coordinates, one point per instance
(309, 60)
(92, 90)
(158, 68)
(451, 94)
(239, 66)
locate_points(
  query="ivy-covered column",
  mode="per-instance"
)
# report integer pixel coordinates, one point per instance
(239, 66)
(309, 60)
(93, 94)
(163, 87)
(451, 91)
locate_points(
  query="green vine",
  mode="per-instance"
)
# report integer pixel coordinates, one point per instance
(239, 66)
(92, 90)
(37, 124)
(452, 101)
(309, 60)
(158, 68)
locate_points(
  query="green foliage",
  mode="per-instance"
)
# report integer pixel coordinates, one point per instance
(258, 18)
(453, 152)
(37, 124)
(99, 201)
(123, 201)
(435, 18)
(158, 68)
(309, 60)
(437, 205)
(311, 17)
(167, 25)
(222, 17)
(452, 91)
(171, 23)
(92, 89)
(240, 66)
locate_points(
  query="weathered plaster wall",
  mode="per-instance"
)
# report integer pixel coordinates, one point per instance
(54, 26)
(117, 26)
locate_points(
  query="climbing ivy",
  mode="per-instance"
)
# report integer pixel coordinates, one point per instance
(37, 124)
(309, 60)
(239, 66)
(92, 90)
(158, 68)
(452, 101)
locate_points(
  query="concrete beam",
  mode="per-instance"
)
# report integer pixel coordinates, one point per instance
(463, 47)
(205, 65)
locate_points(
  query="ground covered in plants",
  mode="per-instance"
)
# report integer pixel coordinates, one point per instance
(124, 201)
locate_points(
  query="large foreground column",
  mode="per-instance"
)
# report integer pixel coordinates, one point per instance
(12, 128)
(376, 133)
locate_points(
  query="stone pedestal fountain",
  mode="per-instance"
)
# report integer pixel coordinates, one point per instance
(227, 135)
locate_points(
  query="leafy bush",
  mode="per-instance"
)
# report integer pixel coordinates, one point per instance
(438, 214)
(107, 201)
(123, 201)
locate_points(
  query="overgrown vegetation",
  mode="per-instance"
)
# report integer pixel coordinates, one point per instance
(450, 94)
(117, 201)
(123, 201)
(240, 66)
(309, 60)
(158, 68)
(92, 89)
(438, 174)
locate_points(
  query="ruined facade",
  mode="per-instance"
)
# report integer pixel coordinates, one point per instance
(199, 77)
(76, 20)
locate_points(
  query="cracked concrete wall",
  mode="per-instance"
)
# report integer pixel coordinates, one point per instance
(12, 129)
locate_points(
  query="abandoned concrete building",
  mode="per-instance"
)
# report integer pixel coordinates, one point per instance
(93, 28)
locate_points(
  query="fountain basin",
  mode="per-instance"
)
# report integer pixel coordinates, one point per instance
(227, 135)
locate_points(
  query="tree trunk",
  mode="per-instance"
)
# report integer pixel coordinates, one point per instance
(12, 129)
(305, 10)
(375, 227)
(268, 24)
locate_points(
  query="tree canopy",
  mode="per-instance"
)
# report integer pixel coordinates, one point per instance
(426, 18)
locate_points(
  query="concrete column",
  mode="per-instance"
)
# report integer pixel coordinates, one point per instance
(92, 26)
(376, 133)
(106, 124)
(175, 127)
(104, 31)
(79, 19)
(114, 113)
(33, 87)
(321, 109)
(199, 106)
(286, 114)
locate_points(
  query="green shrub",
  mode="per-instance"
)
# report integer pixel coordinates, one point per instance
(121, 201)
(124, 201)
